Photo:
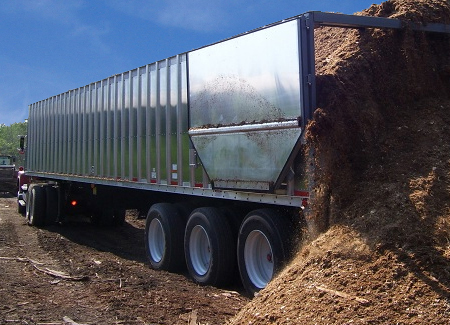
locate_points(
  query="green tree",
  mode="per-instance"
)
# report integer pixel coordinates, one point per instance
(9, 140)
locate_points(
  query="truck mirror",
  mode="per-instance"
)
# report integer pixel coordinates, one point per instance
(22, 143)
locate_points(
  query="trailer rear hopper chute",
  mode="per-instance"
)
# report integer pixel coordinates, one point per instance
(245, 107)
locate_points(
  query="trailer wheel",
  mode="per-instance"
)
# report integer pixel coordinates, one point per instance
(164, 230)
(262, 248)
(35, 207)
(209, 247)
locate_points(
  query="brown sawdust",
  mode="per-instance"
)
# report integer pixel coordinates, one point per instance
(381, 206)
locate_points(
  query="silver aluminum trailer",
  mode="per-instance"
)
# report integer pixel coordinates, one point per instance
(135, 129)
(208, 144)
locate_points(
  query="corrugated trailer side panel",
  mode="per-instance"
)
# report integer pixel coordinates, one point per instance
(129, 127)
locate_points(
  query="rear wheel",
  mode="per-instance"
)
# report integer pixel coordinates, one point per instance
(263, 248)
(209, 247)
(36, 206)
(164, 230)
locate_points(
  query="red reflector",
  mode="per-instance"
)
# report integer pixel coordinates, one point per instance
(74, 203)
(21, 169)
(301, 193)
(305, 202)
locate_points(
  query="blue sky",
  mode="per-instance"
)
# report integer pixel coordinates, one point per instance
(51, 46)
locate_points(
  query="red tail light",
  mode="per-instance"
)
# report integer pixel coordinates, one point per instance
(305, 203)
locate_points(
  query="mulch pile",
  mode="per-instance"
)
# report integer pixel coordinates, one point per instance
(379, 244)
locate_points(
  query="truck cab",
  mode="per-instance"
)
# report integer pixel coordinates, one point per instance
(8, 174)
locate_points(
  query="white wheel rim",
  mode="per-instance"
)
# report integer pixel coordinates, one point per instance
(258, 257)
(156, 240)
(200, 250)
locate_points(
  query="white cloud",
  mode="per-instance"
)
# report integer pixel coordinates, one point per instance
(198, 15)
(61, 11)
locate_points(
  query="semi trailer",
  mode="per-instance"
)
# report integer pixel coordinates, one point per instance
(207, 144)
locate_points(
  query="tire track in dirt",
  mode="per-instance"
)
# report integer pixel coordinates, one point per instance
(121, 288)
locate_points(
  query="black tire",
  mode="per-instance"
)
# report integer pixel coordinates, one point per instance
(36, 206)
(184, 210)
(263, 248)
(164, 231)
(234, 217)
(52, 199)
(209, 248)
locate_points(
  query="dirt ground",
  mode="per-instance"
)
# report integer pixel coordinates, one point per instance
(377, 246)
(95, 275)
